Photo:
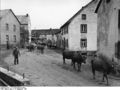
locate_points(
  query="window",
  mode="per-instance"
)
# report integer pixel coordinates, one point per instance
(7, 38)
(62, 31)
(66, 30)
(119, 19)
(7, 26)
(83, 16)
(83, 28)
(83, 43)
(64, 43)
(14, 28)
(14, 38)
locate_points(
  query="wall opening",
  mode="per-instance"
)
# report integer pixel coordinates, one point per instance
(117, 49)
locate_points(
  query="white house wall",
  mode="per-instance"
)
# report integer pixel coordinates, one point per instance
(75, 32)
(11, 20)
(49, 37)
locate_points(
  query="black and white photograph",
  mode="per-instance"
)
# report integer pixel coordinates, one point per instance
(59, 43)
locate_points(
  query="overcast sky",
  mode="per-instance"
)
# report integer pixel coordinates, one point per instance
(45, 14)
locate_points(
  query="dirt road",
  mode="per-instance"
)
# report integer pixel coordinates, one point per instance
(48, 70)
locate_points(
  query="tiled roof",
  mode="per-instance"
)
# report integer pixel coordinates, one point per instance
(23, 19)
(45, 31)
(55, 31)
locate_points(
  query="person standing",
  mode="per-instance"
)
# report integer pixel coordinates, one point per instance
(16, 54)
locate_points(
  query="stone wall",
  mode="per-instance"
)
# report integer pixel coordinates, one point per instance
(108, 27)
(11, 20)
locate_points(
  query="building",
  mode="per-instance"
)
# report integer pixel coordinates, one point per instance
(79, 33)
(25, 28)
(44, 35)
(109, 27)
(9, 28)
(58, 38)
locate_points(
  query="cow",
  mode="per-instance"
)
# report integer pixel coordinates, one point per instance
(41, 48)
(79, 59)
(75, 57)
(30, 47)
(102, 64)
(67, 55)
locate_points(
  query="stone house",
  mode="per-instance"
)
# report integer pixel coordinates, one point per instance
(56, 41)
(44, 35)
(25, 28)
(58, 38)
(109, 28)
(9, 28)
(79, 33)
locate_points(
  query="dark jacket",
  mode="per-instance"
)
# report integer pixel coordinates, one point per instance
(16, 52)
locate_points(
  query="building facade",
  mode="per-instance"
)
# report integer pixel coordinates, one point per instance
(25, 28)
(79, 33)
(44, 35)
(9, 28)
(109, 27)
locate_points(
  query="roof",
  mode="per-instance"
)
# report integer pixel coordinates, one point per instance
(55, 31)
(69, 21)
(23, 19)
(5, 12)
(45, 31)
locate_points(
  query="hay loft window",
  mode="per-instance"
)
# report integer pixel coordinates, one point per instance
(83, 16)
(83, 43)
(83, 28)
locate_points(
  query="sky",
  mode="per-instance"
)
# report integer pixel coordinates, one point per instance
(45, 14)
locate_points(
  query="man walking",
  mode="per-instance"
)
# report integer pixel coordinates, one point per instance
(16, 53)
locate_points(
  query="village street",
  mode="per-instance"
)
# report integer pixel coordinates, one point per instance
(48, 70)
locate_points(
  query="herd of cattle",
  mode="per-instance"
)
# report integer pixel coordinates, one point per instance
(98, 63)
(39, 47)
